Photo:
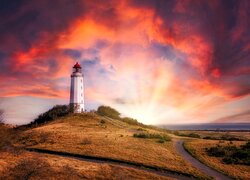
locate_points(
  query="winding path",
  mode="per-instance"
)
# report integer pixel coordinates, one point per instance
(152, 169)
(202, 167)
(129, 164)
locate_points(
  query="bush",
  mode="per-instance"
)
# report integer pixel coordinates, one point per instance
(216, 151)
(140, 129)
(229, 137)
(161, 137)
(131, 121)
(246, 146)
(108, 111)
(240, 154)
(102, 121)
(229, 160)
(194, 135)
(160, 141)
(210, 137)
(232, 154)
(55, 112)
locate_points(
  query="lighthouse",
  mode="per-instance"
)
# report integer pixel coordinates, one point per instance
(77, 90)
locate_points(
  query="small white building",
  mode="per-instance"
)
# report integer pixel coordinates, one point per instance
(77, 90)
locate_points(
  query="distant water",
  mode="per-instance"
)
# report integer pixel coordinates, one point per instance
(210, 126)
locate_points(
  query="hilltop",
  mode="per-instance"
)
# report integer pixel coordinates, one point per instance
(103, 145)
(124, 148)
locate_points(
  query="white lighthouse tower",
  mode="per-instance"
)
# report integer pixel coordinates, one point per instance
(77, 90)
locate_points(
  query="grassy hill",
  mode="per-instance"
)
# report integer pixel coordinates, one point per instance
(94, 136)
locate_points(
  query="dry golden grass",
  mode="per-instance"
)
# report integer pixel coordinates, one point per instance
(87, 135)
(198, 149)
(217, 134)
(29, 165)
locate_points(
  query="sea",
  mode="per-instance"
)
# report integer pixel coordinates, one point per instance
(209, 126)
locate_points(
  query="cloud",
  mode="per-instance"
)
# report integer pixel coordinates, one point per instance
(240, 117)
(176, 60)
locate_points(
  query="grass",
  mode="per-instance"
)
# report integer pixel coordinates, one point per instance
(29, 165)
(231, 154)
(161, 138)
(193, 135)
(198, 148)
(216, 135)
(86, 134)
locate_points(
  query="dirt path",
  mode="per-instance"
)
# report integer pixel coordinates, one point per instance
(134, 165)
(202, 167)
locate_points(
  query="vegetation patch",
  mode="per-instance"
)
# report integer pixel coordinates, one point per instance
(225, 137)
(161, 137)
(108, 111)
(52, 114)
(231, 154)
(132, 121)
(193, 135)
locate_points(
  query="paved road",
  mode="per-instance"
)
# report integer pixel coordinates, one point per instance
(202, 167)
(134, 165)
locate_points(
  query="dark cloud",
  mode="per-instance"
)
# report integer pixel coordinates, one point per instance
(224, 27)
(240, 117)
(24, 23)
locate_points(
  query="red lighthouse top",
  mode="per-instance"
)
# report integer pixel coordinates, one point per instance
(77, 65)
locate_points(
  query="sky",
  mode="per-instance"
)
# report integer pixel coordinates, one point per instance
(161, 62)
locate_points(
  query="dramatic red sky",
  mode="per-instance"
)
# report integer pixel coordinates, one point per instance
(160, 61)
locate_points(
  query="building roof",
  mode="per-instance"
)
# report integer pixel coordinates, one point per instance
(77, 65)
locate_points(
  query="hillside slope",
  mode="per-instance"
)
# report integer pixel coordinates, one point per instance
(101, 137)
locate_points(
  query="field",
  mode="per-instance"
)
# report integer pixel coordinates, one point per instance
(32, 165)
(120, 140)
(240, 135)
(97, 136)
(198, 147)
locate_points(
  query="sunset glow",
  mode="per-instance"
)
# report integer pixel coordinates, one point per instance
(161, 62)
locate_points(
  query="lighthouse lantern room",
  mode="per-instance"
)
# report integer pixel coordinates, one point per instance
(77, 90)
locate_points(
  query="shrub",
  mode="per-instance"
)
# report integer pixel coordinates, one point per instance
(232, 154)
(160, 141)
(229, 160)
(55, 112)
(102, 121)
(140, 129)
(230, 137)
(141, 135)
(216, 151)
(246, 146)
(131, 121)
(210, 137)
(108, 111)
(194, 135)
(240, 154)
(161, 137)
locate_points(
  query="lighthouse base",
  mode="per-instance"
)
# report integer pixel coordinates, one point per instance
(76, 108)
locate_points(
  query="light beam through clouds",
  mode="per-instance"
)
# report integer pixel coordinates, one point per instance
(158, 61)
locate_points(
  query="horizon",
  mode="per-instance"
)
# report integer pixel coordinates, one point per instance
(160, 62)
